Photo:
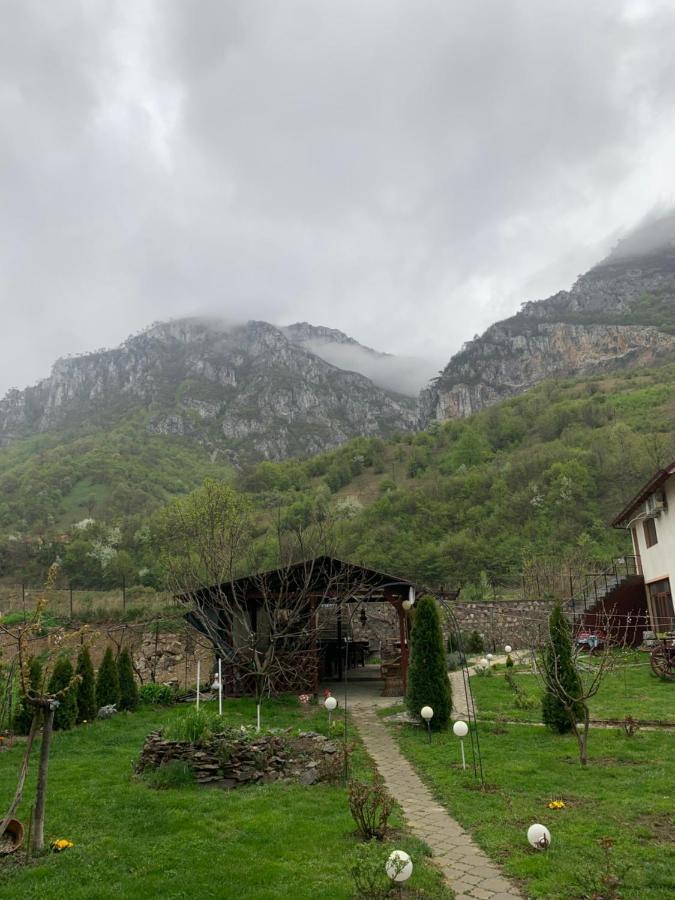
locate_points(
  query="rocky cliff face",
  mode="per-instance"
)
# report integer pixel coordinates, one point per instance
(619, 314)
(248, 390)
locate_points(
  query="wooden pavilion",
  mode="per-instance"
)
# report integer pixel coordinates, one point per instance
(279, 609)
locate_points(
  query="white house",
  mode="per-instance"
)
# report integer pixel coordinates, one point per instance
(650, 516)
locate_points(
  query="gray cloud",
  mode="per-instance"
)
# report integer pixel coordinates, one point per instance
(405, 171)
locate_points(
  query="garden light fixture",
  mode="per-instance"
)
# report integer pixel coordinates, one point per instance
(410, 601)
(507, 649)
(539, 836)
(330, 703)
(461, 729)
(399, 866)
(427, 714)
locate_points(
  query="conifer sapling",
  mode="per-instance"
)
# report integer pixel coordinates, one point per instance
(128, 689)
(107, 681)
(428, 683)
(86, 689)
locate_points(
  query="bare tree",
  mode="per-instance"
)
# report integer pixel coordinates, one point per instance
(263, 625)
(43, 704)
(572, 675)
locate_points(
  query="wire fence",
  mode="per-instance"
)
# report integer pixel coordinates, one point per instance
(70, 602)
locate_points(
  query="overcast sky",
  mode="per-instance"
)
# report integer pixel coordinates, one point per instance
(404, 171)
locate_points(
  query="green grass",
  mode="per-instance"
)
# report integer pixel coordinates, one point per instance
(625, 794)
(134, 841)
(629, 690)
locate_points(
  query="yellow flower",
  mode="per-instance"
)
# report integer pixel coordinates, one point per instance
(556, 804)
(61, 844)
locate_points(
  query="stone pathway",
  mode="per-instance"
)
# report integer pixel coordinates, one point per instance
(460, 692)
(468, 871)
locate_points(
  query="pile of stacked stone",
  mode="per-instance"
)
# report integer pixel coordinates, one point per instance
(231, 761)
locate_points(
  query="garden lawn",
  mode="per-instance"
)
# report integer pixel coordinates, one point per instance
(133, 841)
(630, 690)
(624, 794)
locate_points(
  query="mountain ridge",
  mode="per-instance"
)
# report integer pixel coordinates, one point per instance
(619, 314)
(245, 389)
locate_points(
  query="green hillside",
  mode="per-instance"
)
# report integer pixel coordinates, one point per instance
(539, 474)
(51, 482)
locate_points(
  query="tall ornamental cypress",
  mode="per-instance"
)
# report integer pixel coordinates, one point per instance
(107, 681)
(562, 679)
(128, 689)
(65, 715)
(428, 683)
(86, 689)
(24, 711)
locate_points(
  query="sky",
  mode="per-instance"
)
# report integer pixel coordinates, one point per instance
(407, 171)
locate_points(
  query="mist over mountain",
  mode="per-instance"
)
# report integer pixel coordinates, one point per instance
(406, 375)
(245, 390)
(619, 314)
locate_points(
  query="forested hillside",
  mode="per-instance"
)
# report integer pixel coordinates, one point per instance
(538, 474)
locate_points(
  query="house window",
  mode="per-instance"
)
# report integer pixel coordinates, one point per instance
(661, 598)
(651, 537)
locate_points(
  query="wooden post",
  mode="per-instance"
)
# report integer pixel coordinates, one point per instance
(124, 593)
(404, 645)
(317, 657)
(199, 673)
(70, 592)
(339, 641)
(38, 838)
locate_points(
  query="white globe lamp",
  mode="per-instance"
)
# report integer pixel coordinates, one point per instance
(427, 714)
(461, 729)
(330, 703)
(508, 648)
(409, 602)
(539, 836)
(399, 866)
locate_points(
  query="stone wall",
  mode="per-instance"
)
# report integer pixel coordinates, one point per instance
(171, 657)
(500, 622)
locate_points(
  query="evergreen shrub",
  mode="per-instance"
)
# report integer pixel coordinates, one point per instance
(107, 681)
(24, 713)
(475, 643)
(428, 683)
(86, 689)
(127, 681)
(65, 715)
(557, 711)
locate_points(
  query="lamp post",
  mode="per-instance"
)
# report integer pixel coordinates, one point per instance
(461, 729)
(427, 714)
(199, 663)
(539, 836)
(330, 703)
(399, 868)
(218, 686)
(489, 657)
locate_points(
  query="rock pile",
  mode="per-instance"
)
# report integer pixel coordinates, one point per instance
(230, 761)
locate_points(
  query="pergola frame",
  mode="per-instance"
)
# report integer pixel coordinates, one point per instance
(316, 582)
